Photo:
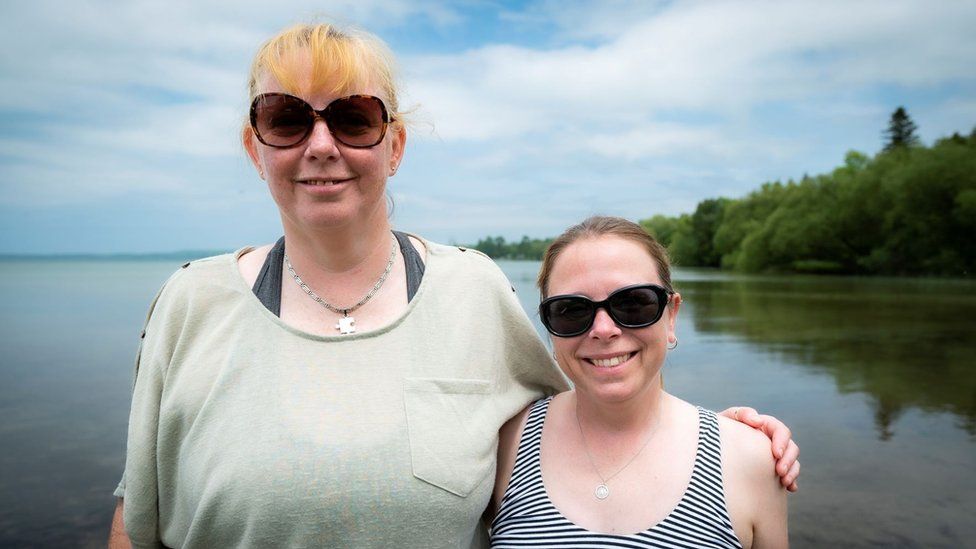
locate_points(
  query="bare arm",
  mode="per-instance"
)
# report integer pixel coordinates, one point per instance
(770, 528)
(117, 538)
(784, 449)
(756, 499)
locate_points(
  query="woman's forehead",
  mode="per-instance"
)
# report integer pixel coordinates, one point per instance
(604, 259)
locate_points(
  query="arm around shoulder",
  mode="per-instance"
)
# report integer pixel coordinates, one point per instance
(756, 499)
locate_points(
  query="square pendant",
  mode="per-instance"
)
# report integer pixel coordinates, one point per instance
(346, 325)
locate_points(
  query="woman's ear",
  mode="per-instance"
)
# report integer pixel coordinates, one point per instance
(398, 146)
(673, 305)
(250, 145)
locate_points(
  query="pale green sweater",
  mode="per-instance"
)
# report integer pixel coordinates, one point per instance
(245, 432)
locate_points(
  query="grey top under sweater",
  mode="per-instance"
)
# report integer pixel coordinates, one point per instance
(246, 432)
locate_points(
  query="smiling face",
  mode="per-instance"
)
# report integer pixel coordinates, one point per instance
(321, 183)
(609, 363)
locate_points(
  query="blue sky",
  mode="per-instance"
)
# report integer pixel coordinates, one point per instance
(119, 120)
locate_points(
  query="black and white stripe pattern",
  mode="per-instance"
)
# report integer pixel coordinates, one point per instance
(527, 518)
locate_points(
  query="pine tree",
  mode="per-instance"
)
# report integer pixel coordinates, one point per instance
(901, 130)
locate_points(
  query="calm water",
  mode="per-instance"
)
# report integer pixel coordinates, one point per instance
(875, 376)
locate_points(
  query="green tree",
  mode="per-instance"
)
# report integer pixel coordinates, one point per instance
(901, 131)
(742, 218)
(683, 247)
(704, 223)
(661, 227)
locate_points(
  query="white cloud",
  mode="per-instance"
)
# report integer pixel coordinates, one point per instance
(194, 130)
(663, 103)
(720, 57)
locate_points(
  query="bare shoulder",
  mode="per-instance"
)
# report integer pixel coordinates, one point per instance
(508, 440)
(756, 500)
(747, 446)
(250, 263)
(747, 456)
(420, 245)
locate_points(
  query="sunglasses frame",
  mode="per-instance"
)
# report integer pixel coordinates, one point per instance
(663, 295)
(323, 114)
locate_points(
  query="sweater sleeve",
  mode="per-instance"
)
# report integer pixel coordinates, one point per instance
(139, 484)
(529, 369)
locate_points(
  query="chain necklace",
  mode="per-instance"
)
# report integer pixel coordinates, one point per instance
(602, 491)
(347, 323)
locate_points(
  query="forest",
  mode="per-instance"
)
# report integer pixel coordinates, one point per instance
(909, 210)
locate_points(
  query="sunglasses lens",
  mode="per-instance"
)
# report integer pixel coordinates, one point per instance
(568, 315)
(281, 120)
(636, 306)
(358, 120)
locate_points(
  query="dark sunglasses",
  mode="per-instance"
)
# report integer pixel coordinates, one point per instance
(630, 307)
(281, 120)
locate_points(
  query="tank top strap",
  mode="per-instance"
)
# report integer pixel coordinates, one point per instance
(412, 262)
(706, 491)
(708, 457)
(527, 471)
(267, 286)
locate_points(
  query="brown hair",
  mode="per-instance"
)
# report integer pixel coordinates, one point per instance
(597, 226)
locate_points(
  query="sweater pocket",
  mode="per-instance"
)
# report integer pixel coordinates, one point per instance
(452, 430)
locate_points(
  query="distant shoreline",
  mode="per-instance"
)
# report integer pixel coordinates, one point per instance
(159, 256)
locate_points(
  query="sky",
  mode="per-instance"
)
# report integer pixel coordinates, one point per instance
(120, 121)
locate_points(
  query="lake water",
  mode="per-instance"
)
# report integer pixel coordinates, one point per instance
(875, 376)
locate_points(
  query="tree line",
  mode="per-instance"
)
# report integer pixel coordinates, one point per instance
(909, 210)
(497, 248)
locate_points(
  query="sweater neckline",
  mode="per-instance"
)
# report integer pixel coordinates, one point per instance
(255, 303)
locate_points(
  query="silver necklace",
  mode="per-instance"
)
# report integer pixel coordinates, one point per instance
(602, 491)
(347, 324)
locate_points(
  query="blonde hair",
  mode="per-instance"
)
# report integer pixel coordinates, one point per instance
(340, 61)
(598, 226)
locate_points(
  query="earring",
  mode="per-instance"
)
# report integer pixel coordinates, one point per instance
(674, 344)
(393, 169)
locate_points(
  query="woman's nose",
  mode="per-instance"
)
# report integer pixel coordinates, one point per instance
(321, 143)
(604, 326)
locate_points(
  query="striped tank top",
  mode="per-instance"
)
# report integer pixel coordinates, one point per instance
(527, 518)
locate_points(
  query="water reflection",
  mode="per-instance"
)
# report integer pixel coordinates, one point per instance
(904, 343)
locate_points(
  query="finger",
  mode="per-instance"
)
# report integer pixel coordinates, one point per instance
(785, 463)
(789, 481)
(729, 412)
(746, 415)
(779, 433)
(750, 417)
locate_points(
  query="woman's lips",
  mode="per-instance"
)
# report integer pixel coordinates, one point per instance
(322, 182)
(610, 361)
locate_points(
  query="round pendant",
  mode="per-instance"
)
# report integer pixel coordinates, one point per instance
(602, 492)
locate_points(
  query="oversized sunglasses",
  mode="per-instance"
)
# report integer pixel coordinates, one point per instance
(630, 307)
(281, 120)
